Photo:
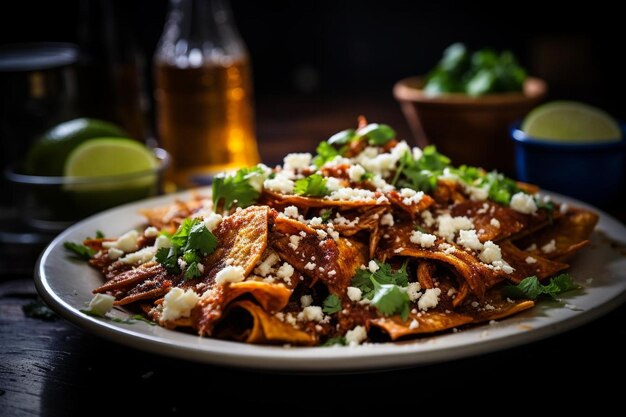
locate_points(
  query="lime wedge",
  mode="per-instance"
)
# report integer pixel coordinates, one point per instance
(571, 121)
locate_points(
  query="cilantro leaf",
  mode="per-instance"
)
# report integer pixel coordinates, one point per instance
(335, 341)
(501, 188)
(341, 138)
(531, 288)
(311, 186)
(192, 271)
(385, 288)
(421, 174)
(179, 238)
(325, 215)
(325, 153)
(377, 134)
(80, 251)
(168, 257)
(332, 304)
(200, 239)
(99, 234)
(390, 299)
(237, 189)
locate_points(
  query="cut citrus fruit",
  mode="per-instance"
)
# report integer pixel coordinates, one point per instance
(571, 121)
(109, 157)
(47, 156)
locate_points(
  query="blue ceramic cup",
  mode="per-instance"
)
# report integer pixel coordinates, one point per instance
(594, 172)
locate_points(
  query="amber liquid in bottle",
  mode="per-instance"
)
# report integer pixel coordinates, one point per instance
(205, 119)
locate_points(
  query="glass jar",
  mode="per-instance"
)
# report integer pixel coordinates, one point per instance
(203, 93)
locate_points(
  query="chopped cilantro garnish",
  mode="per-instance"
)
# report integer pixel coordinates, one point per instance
(531, 288)
(376, 134)
(80, 251)
(311, 186)
(237, 189)
(192, 241)
(335, 341)
(385, 288)
(501, 188)
(421, 174)
(325, 153)
(99, 234)
(332, 304)
(325, 215)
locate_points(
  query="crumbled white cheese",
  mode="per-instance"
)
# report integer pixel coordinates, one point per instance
(212, 221)
(313, 313)
(531, 260)
(291, 211)
(477, 193)
(333, 184)
(414, 324)
(294, 241)
(549, 247)
(140, 257)
(354, 293)
(523, 203)
(230, 274)
(356, 172)
(417, 153)
(351, 194)
(310, 266)
(306, 300)
(178, 303)
(564, 208)
(162, 242)
(295, 161)
(151, 232)
(490, 252)
(321, 234)
(101, 304)
(429, 299)
(280, 184)
(315, 221)
(115, 253)
(265, 267)
(448, 225)
(387, 220)
(373, 266)
(410, 197)
(413, 291)
(425, 240)
(531, 248)
(356, 336)
(469, 240)
(428, 218)
(381, 184)
(285, 272)
(126, 243)
(494, 222)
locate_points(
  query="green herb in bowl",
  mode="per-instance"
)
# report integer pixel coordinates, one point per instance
(476, 74)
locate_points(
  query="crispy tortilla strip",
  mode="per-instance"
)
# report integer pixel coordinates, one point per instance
(300, 201)
(448, 192)
(147, 290)
(494, 307)
(171, 216)
(242, 239)
(428, 322)
(511, 222)
(542, 268)
(343, 257)
(131, 277)
(351, 222)
(425, 271)
(272, 297)
(246, 321)
(569, 232)
(288, 226)
(413, 209)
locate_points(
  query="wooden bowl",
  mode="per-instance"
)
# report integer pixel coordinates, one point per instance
(470, 130)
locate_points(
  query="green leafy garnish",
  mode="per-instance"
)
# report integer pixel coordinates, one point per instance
(37, 309)
(376, 134)
(332, 304)
(311, 186)
(130, 320)
(325, 153)
(99, 234)
(385, 288)
(421, 174)
(531, 288)
(240, 189)
(342, 138)
(501, 188)
(325, 215)
(80, 251)
(481, 73)
(341, 341)
(192, 241)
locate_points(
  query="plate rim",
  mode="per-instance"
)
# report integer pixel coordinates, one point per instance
(303, 359)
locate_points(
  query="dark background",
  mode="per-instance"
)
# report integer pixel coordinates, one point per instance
(345, 47)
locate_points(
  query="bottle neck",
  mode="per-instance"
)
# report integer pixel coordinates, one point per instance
(199, 32)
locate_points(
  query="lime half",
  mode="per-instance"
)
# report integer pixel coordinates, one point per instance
(571, 121)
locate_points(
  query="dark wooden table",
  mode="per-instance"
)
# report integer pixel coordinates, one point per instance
(54, 368)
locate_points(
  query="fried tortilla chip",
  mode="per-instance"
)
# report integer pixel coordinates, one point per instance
(525, 265)
(246, 321)
(301, 201)
(425, 322)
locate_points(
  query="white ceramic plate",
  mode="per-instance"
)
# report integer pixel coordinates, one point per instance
(66, 286)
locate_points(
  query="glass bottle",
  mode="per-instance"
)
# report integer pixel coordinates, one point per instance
(203, 92)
